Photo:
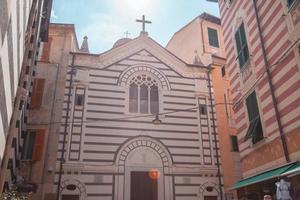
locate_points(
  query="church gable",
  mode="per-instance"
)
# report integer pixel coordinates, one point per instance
(144, 49)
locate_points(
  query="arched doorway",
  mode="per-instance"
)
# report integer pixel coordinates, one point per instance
(143, 163)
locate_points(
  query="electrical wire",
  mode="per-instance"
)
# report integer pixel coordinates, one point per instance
(124, 118)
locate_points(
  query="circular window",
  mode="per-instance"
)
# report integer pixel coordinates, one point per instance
(71, 187)
(209, 189)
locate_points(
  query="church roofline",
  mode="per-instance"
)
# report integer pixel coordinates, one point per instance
(152, 40)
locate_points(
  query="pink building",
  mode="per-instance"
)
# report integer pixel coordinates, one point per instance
(263, 62)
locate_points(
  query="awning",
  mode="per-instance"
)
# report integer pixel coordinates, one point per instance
(294, 170)
(268, 175)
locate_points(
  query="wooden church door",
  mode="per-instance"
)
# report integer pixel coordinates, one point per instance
(70, 197)
(143, 187)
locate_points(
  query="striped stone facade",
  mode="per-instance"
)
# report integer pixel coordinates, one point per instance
(104, 143)
(280, 30)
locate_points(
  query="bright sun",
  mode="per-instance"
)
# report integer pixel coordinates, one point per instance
(136, 5)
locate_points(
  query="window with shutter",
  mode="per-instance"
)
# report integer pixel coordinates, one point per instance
(241, 46)
(28, 145)
(37, 93)
(33, 145)
(38, 145)
(255, 128)
(46, 50)
(213, 37)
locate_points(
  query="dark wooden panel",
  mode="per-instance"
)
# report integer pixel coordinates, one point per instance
(70, 197)
(143, 187)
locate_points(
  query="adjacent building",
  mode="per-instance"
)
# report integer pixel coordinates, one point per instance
(23, 25)
(263, 64)
(201, 41)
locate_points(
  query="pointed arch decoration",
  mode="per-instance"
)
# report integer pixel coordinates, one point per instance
(127, 75)
(143, 141)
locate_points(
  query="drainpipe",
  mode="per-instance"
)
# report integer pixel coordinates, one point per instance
(202, 38)
(267, 65)
(62, 160)
(214, 132)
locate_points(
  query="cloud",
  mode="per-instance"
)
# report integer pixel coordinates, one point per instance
(103, 30)
(53, 14)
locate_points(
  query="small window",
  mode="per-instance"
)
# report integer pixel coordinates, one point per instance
(28, 145)
(241, 46)
(290, 3)
(202, 109)
(79, 100)
(255, 128)
(234, 143)
(213, 37)
(223, 71)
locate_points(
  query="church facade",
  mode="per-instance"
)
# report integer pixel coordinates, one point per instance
(136, 122)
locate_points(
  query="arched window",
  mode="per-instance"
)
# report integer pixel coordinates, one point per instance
(144, 98)
(133, 98)
(154, 107)
(143, 95)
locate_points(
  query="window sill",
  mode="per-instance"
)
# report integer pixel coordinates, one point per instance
(259, 143)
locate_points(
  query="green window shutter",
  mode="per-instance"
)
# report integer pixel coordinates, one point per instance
(238, 47)
(243, 35)
(242, 47)
(252, 106)
(255, 128)
(213, 37)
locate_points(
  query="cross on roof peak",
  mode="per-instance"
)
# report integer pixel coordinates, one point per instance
(126, 34)
(143, 21)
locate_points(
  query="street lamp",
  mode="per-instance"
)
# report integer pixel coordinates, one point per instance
(156, 121)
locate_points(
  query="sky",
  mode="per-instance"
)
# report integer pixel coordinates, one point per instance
(106, 21)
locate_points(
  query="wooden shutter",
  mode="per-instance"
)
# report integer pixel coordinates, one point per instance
(38, 145)
(46, 50)
(238, 47)
(252, 106)
(37, 93)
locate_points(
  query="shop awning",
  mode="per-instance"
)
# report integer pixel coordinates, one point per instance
(294, 170)
(267, 175)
